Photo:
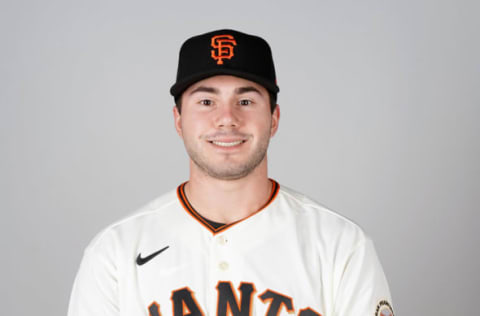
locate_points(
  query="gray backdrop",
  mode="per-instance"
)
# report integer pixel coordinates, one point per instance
(380, 103)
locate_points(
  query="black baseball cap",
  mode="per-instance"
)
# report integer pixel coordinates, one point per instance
(225, 52)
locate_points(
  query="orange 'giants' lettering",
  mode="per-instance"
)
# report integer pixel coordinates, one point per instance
(184, 303)
(224, 47)
(277, 300)
(308, 312)
(228, 301)
(154, 309)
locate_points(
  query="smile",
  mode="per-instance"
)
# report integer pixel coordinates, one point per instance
(227, 144)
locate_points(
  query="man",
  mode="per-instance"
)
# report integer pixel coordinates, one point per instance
(230, 241)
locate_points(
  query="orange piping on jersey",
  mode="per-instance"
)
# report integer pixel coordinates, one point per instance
(280, 294)
(190, 210)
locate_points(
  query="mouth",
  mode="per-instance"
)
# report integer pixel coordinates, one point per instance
(227, 143)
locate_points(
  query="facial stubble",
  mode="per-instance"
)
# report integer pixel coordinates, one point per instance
(229, 170)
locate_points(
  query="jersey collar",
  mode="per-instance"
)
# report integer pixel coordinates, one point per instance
(182, 197)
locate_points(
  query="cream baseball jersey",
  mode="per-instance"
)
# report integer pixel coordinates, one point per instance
(291, 257)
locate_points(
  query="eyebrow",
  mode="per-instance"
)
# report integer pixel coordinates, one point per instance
(205, 89)
(247, 89)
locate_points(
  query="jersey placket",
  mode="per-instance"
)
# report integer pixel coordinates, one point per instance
(220, 267)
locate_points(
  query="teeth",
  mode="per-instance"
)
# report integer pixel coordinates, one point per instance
(228, 144)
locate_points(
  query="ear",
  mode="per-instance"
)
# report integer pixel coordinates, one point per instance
(275, 121)
(177, 121)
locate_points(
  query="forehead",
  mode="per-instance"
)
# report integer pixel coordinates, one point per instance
(226, 83)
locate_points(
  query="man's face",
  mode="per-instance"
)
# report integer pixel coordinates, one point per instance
(226, 124)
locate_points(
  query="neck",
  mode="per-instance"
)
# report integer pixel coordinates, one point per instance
(228, 201)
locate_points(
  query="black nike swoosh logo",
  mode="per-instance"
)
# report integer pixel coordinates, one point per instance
(141, 261)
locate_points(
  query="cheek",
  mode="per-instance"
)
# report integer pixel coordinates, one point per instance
(263, 124)
(261, 130)
(192, 127)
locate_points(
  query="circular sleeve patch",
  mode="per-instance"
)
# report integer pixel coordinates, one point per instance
(384, 309)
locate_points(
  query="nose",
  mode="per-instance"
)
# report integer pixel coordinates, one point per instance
(227, 116)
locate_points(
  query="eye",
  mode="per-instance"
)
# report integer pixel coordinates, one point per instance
(206, 102)
(245, 102)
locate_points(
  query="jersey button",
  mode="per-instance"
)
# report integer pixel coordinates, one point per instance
(223, 266)
(222, 240)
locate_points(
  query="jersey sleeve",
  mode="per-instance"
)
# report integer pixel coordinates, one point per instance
(363, 288)
(95, 290)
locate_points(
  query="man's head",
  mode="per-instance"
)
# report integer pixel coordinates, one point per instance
(225, 97)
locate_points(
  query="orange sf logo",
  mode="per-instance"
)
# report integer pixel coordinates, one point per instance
(224, 47)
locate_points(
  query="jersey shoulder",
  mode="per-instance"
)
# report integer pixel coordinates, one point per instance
(131, 225)
(319, 218)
